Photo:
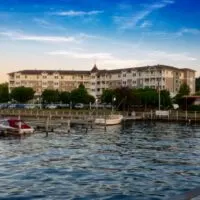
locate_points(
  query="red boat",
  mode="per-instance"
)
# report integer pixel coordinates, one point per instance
(15, 126)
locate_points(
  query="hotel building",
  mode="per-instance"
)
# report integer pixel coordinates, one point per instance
(95, 81)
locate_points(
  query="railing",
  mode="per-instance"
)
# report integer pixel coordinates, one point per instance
(189, 116)
(37, 113)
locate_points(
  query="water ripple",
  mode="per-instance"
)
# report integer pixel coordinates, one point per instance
(140, 161)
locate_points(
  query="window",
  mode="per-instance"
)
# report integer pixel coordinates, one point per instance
(124, 75)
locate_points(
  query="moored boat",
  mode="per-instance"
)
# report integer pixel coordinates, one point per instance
(14, 127)
(109, 120)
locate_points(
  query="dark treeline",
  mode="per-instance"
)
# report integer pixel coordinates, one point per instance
(128, 99)
(124, 98)
(79, 95)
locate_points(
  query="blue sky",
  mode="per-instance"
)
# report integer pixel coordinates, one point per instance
(74, 34)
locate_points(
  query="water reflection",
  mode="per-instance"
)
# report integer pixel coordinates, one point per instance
(137, 161)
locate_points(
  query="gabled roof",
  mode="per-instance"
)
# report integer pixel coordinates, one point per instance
(94, 69)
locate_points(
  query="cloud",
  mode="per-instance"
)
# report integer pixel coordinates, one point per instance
(76, 38)
(38, 38)
(145, 24)
(189, 31)
(129, 22)
(82, 55)
(48, 25)
(103, 59)
(121, 63)
(88, 36)
(41, 22)
(172, 35)
(72, 13)
(171, 56)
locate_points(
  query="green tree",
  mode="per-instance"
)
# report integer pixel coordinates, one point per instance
(125, 98)
(165, 98)
(179, 98)
(80, 95)
(147, 97)
(50, 96)
(90, 99)
(198, 84)
(22, 94)
(4, 93)
(107, 96)
(65, 97)
(184, 89)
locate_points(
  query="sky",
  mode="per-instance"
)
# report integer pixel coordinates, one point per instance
(76, 34)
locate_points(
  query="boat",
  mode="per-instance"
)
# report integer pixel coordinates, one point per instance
(14, 127)
(109, 120)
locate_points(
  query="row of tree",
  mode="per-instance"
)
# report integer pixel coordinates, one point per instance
(25, 94)
(79, 95)
(127, 98)
(122, 98)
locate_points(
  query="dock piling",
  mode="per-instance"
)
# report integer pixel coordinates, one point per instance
(47, 126)
(68, 126)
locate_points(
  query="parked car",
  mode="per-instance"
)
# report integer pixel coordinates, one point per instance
(4, 105)
(30, 106)
(79, 105)
(21, 106)
(63, 106)
(51, 106)
(12, 106)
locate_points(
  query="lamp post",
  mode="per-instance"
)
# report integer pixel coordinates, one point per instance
(113, 100)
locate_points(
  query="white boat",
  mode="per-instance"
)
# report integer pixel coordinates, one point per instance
(15, 127)
(109, 120)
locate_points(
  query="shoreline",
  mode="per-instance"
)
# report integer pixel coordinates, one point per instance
(88, 115)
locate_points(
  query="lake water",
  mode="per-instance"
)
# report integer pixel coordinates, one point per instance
(139, 161)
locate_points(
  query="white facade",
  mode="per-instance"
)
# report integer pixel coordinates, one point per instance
(95, 81)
